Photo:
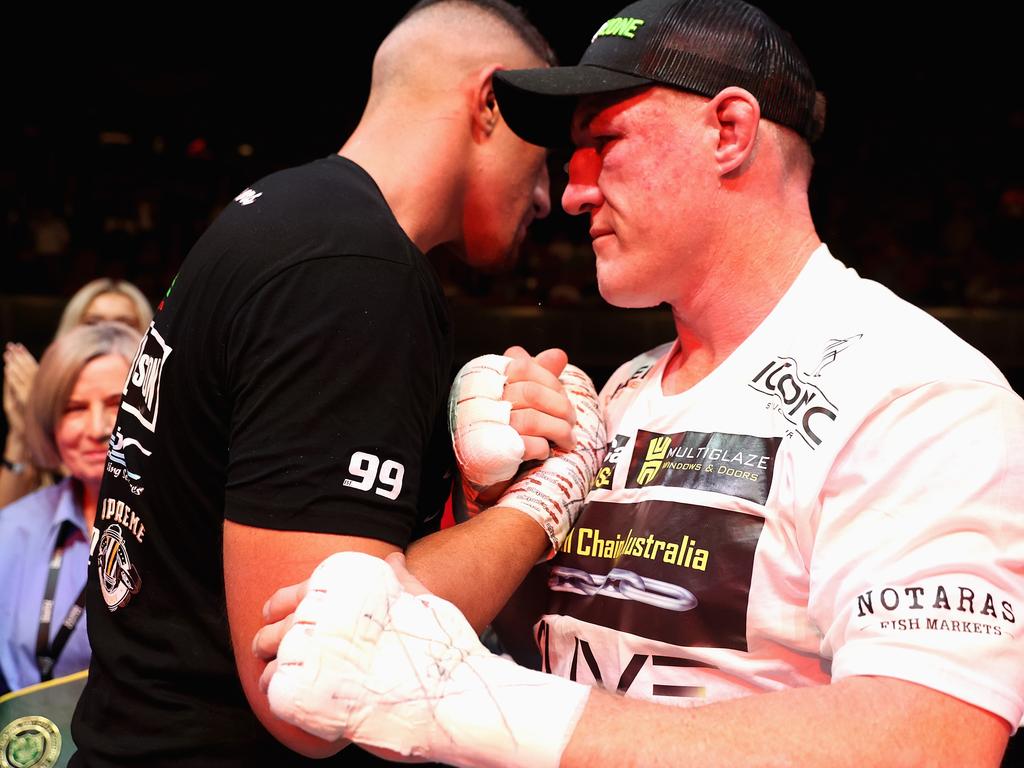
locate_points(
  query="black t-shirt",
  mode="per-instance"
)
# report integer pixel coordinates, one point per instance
(294, 378)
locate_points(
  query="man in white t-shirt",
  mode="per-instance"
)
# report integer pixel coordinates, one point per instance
(815, 494)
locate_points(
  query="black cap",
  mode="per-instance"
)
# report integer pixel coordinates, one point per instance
(701, 46)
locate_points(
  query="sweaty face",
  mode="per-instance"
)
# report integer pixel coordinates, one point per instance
(507, 191)
(114, 307)
(84, 428)
(641, 172)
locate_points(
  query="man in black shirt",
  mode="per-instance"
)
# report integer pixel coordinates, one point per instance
(289, 401)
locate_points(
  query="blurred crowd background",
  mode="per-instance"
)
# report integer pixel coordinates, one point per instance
(114, 162)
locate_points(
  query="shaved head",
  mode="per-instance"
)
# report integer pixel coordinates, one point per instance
(439, 42)
(433, 137)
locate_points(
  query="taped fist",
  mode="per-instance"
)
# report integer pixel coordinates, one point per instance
(365, 659)
(507, 409)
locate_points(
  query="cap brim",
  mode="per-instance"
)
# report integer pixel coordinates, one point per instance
(538, 104)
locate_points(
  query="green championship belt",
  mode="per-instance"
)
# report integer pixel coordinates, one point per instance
(35, 723)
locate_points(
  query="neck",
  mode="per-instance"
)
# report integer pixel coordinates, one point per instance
(745, 280)
(418, 169)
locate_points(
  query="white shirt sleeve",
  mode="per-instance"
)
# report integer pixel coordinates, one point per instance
(917, 567)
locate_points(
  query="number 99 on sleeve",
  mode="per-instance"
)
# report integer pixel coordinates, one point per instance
(369, 472)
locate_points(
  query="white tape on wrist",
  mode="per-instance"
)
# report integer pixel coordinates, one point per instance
(367, 661)
(553, 492)
(487, 447)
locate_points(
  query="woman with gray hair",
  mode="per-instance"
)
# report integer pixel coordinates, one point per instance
(45, 536)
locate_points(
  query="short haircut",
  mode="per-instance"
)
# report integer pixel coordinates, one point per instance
(513, 17)
(75, 309)
(59, 368)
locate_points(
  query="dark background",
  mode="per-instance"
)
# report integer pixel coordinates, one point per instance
(120, 145)
(123, 136)
(122, 139)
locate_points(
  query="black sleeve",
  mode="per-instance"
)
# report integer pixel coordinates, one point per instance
(333, 373)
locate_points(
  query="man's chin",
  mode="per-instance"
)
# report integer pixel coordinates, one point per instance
(490, 260)
(623, 297)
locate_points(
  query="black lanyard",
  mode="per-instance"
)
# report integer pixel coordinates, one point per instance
(47, 654)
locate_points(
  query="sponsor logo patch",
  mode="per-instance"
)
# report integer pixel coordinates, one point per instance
(117, 460)
(119, 579)
(734, 465)
(942, 607)
(678, 573)
(604, 476)
(585, 664)
(621, 26)
(141, 394)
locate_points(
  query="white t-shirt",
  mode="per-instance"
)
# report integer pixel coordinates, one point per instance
(843, 496)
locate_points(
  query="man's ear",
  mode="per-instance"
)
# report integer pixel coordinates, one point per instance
(736, 115)
(484, 112)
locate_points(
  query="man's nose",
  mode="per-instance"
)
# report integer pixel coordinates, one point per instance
(581, 193)
(101, 421)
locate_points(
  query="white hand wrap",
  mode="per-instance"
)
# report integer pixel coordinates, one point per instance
(553, 492)
(367, 661)
(487, 447)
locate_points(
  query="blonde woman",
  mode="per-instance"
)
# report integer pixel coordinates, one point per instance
(103, 299)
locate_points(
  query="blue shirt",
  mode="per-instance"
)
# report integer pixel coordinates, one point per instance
(28, 534)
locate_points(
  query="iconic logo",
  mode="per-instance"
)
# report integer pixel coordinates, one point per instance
(832, 349)
(802, 404)
(248, 197)
(141, 393)
(119, 581)
(30, 742)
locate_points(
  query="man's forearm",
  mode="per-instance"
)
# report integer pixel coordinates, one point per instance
(479, 563)
(858, 721)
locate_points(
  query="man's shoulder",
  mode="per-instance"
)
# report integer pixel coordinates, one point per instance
(324, 211)
(328, 207)
(845, 321)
